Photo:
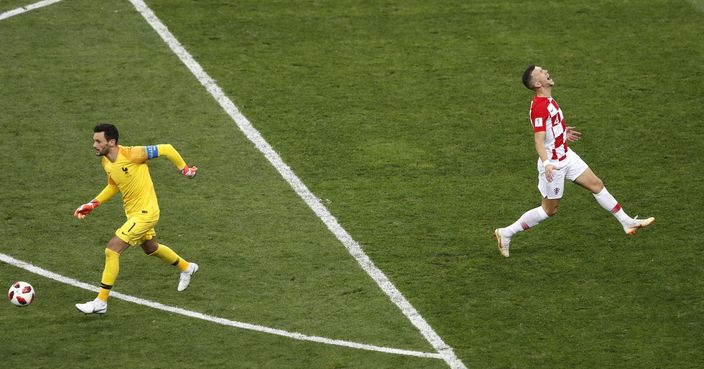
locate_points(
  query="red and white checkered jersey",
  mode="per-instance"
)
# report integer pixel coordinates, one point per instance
(546, 115)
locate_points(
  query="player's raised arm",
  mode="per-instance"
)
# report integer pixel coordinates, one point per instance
(106, 194)
(168, 151)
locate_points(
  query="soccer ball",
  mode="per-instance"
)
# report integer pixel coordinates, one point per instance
(21, 294)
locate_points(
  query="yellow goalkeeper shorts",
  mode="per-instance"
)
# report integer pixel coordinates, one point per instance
(137, 230)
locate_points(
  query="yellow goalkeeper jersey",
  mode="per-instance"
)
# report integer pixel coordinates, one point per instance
(130, 174)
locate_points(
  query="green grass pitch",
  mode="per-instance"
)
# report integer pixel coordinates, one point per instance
(408, 120)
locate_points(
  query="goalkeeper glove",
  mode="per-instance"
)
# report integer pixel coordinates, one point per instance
(189, 172)
(85, 209)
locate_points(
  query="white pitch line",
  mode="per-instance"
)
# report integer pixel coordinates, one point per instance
(222, 321)
(24, 9)
(448, 355)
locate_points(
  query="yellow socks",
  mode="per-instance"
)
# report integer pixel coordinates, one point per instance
(112, 267)
(164, 253)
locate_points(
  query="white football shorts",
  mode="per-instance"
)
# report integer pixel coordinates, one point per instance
(570, 168)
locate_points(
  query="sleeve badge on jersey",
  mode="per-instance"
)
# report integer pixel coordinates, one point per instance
(538, 122)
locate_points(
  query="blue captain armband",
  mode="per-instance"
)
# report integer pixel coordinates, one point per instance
(152, 152)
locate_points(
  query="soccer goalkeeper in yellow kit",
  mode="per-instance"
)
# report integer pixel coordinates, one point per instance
(127, 171)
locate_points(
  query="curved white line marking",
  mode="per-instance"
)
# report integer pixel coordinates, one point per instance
(231, 323)
(24, 9)
(445, 352)
(448, 355)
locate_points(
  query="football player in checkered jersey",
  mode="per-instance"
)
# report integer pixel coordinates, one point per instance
(557, 162)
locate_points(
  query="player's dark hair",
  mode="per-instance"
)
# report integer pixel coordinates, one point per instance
(528, 77)
(110, 131)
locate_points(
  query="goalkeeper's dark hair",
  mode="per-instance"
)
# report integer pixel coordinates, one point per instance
(110, 131)
(528, 77)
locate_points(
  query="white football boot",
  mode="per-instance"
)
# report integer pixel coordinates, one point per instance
(502, 241)
(632, 227)
(96, 306)
(186, 276)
